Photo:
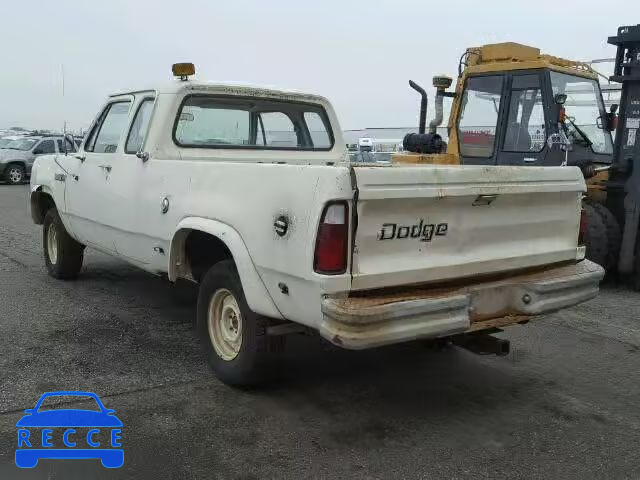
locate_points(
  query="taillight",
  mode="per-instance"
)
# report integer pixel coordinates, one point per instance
(333, 236)
(583, 226)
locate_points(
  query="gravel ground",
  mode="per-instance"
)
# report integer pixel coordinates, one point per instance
(564, 404)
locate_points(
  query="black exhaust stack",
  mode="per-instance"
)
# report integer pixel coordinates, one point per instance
(422, 142)
(423, 105)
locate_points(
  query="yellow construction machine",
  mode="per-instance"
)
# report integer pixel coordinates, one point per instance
(514, 105)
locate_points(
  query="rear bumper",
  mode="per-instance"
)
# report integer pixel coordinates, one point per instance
(386, 317)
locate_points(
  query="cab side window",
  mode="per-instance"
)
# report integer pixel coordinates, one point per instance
(139, 127)
(44, 147)
(525, 122)
(106, 134)
(478, 122)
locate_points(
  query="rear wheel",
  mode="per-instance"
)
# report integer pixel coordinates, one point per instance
(596, 237)
(636, 270)
(234, 338)
(614, 236)
(14, 174)
(63, 256)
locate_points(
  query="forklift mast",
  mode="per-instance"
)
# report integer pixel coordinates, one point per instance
(625, 173)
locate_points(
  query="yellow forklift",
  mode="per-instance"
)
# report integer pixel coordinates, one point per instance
(513, 105)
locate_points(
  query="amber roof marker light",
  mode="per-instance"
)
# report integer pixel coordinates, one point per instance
(183, 70)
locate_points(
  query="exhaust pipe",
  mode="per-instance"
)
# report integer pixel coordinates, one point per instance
(423, 105)
(441, 83)
(483, 344)
(435, 123)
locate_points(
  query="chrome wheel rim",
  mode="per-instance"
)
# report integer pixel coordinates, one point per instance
(15, 175)
(224, 320)
(52, 243)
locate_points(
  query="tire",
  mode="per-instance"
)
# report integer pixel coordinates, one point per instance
(614, 236)
(635, 283)
(234, 338)
(62, 254)
(14, 174)
(596, 239)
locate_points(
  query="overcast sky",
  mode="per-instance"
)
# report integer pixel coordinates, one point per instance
(359, 54)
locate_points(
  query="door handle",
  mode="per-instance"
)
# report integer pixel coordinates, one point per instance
(106, 168)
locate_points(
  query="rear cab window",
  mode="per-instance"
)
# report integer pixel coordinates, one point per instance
(214, 121)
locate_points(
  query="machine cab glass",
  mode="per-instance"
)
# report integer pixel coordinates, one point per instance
(507, 119)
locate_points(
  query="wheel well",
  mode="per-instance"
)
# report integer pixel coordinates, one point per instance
(41, 202)
(17, 162)
(201, 251)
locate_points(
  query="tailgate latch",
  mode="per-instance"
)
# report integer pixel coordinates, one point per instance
(484, 200)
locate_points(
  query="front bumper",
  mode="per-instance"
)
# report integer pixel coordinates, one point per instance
(372, 319)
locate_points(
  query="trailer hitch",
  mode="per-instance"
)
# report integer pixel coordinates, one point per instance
(482, 344)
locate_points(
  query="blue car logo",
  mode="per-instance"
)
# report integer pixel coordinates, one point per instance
(100, 430)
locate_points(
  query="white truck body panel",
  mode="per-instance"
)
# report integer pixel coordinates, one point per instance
(115, 202)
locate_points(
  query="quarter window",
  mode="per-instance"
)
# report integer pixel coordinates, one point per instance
(318, 130)
(139, 126)
(479, 116)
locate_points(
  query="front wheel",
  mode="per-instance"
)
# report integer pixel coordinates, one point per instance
(63, 256)
(234, 338)
(14, 174)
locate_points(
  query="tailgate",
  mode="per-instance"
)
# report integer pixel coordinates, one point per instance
(427, 223)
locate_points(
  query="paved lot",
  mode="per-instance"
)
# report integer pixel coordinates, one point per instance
(565, 404)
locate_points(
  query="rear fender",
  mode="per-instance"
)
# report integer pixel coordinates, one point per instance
(255, 292)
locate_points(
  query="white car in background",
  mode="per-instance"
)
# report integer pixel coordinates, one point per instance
(18, 155)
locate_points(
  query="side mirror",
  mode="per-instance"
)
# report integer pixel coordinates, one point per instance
(144, 156)
(560, 98)
(29, 411)
(109, 411)
(37, 151)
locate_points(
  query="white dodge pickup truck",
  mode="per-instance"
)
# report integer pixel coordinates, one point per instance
(250, 193)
